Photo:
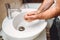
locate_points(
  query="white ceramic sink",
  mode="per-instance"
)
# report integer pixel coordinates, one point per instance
(19, 29)
(31, 5)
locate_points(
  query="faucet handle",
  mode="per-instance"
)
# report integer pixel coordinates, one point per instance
(7, 5)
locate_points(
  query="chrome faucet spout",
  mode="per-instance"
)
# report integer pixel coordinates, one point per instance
(8, 8)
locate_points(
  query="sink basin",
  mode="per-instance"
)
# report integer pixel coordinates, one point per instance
(31, 5)
(19, 29)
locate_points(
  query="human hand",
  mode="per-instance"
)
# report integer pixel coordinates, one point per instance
(30, 16)
(48, 14)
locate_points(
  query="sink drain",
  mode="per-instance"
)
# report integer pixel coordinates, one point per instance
(21, 28)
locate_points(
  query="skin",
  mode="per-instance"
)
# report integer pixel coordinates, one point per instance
(45, 5)
(44, 11)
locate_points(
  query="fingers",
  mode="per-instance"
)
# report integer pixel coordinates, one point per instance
(32, 13)
(27, 18)
(29, 14)
(30, 18)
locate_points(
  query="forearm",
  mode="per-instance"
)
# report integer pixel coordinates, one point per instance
(50, 13)
(45, 5)
(58, 6)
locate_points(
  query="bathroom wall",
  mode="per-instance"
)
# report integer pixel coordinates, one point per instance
(13, 3)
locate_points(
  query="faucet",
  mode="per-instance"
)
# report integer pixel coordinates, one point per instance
(8, 8)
